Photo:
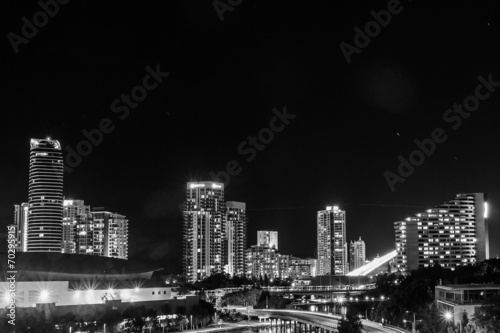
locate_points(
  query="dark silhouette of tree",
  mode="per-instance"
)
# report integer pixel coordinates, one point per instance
(350, 324)
(488, 315)
(111, 318)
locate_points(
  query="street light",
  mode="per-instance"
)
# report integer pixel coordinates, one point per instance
(413, 324)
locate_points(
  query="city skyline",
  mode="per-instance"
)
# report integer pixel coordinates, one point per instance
(146, 98)
(232, 260)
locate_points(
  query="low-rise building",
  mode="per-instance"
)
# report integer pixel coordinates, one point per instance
(459, 298)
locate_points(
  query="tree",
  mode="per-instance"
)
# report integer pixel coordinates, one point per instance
(488, 315)
(465, 319)
(111, 318)
(350, 324)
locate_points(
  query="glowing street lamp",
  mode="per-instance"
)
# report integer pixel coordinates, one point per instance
(413, 324)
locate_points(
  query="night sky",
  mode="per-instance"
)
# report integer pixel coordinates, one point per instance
(350, 122)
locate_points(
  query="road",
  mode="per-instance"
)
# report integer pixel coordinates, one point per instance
(322, 320)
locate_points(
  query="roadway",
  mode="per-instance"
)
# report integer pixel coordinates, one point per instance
(321, 320)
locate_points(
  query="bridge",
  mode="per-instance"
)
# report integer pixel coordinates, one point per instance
(339, 289)
(307, 321)
(298, 320)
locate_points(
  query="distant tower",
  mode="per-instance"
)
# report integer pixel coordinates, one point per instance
(204, 228)
(236, 234)
(267, 238)
(452, 234)
(45, 196)
(358, 254)
(332, 246)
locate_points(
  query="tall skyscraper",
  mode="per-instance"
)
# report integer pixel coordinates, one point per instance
(236, 233)
(204, 228)
(44, 232)
(332, 246)
(452, 234)
(72, 214)
(267, 238)
(358, 254)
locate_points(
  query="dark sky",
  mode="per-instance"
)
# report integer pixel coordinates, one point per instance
(352, 120)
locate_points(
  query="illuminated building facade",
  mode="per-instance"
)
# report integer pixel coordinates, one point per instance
(299, 268)
(267, 238)
(72, 213)
(94, 232)
(21, 226)
(266, 261)
(109, 234)
(451, 235)
(236, 234)
(332, 246)
(357, 254)
(204, 230)
(44, 231)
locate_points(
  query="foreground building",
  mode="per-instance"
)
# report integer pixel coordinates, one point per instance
(85, 285)
(45, 199)
(451, 235)
(459, 298)
(332, 246)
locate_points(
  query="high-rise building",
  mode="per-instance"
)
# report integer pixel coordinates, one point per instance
(204, 228)
(267, 238)
(109, 234)
(94, 231)
(44, 232)
(73, 210)
(332, 246)
(236, 234)
(451, 235)
(357, 255)
(266, 261)
(21, 226)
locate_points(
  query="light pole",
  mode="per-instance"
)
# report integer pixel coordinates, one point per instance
(413, 323)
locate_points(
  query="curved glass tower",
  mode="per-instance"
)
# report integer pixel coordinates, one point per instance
(45, 196)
